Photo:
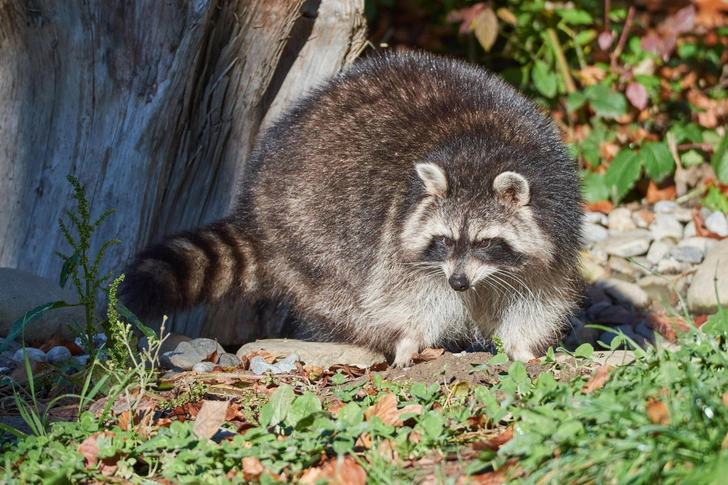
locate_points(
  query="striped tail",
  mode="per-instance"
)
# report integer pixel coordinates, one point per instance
(187, 269)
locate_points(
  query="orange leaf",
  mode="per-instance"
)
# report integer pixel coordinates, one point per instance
(725, 398)
(654, 194)
(386, 410)
(603, 206)
(597, 381)
(657, 412)
(90, 450)
(344, 471)
(493, 444)
(252, 468)
(488, 478)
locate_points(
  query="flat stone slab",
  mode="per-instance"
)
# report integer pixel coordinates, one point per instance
(320, 354)
(701, 295)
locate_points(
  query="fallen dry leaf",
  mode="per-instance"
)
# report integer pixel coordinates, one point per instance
(209, 418)
(597, 380)
(493, 444)
(427, 355)
(665, 324)
(386, 410)
(488, 478)
(725, 398)
(20, 374)
(657, 412)
(90, 450)
(58, 341)
(252, 468)
(344, 471)
(655, 194)
(603, 206)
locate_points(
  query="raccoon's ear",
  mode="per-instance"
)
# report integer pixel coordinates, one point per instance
(433, 177)
(512, 188)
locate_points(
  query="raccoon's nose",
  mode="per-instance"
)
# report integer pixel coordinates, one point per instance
(459, 282)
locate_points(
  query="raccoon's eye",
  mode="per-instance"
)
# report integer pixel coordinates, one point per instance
(448, 242)
(483, 244)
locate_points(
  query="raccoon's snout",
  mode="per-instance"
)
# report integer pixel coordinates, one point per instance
(459, 282)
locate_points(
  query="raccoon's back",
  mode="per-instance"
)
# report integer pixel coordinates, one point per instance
(336, 173)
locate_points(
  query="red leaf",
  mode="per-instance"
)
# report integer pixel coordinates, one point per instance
(682, 21)
(637, 95)
(597, 381)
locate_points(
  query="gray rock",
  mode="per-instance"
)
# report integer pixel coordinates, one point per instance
(664, 206)
(702, 292)
(206, 346)
(228, 360)
(624, 292)
(620, 219)
(321, 354)
(203, 367)
(669, 266)
(688, 254)
(82, 359)
(599, 254)
(596, 218)
(666, 225)
(627, 244)
(12, 346)
(184, 346)
(33, 354)
(258, 365)
(641, 265)
(659, 250)
(20, 292)
(180, 360)
(58, 355)
(717, 223)
(581, 334)
(639, 220)
(689, 230)
(594, 233)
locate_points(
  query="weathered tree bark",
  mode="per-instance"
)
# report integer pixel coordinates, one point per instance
(154, 106)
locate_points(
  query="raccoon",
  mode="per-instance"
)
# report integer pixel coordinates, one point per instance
(410, 201)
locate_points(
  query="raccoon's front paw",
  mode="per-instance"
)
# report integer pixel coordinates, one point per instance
(403, 353)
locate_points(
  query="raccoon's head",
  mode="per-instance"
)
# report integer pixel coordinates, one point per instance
(471, 233)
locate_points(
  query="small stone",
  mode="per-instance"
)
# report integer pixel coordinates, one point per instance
(620, 265)
(642, 218)
(641, 265)
(258, 365)
(181, 360)
(659, 250)
(669, 266)
(704, 244)
(13, 346)
(58, 355)
(689, 230)
(228, 360)
(82, 359)
(688, 254)
(606, 312)
(627, 244)
(665, 206)
(206, 346)
(184, 346)
(705, 212)
(717, 223)
(711, 276)
(590, 270)
(620, 219)
(33, 354)
(661, 291)
(594, 233)
(623, 292)
(596, 218)
(203, 367)
(666, 225)
(599, 254)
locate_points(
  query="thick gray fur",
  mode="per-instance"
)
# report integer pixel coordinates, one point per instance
(375, 198)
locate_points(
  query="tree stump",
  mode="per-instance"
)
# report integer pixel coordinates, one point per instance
(154, 106)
